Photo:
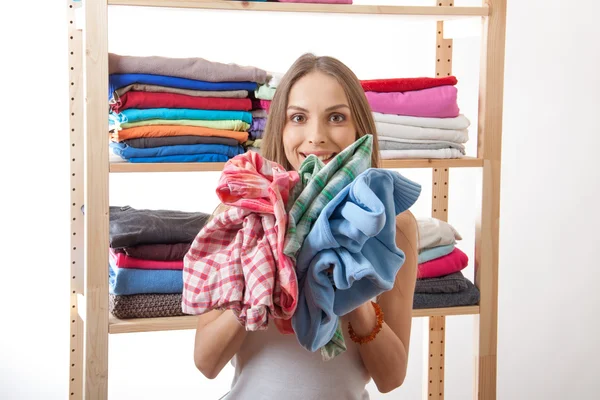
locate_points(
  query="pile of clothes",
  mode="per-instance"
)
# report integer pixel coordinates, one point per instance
(146, 254)
(440, 281)
(179, 109)
(414, 117)
(303, 248)
(417, 117)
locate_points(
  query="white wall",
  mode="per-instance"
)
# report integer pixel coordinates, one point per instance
(547, 346)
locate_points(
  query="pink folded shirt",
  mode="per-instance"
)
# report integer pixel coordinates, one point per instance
(317, 1)
(436, 102)
(445, 265)
(122, 260)
(236, 261)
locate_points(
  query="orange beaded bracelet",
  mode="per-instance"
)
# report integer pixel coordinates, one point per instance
(367, 339)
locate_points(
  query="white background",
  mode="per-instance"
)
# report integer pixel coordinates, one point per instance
(548, 301)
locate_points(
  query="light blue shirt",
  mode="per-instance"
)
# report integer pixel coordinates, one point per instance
(355, 234)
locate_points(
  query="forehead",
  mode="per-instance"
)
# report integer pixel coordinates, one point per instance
(317, 90)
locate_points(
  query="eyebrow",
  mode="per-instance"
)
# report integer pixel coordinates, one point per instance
(327, 109)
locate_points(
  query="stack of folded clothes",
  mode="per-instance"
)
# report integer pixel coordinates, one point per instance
(440, 281)
(417, 117)
(261, 102)
(146, 254)
(179, 109)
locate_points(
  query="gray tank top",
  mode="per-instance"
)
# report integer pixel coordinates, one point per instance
(270, 365)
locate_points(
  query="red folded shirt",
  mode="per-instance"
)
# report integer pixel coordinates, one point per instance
(122, 260)
(142, 100)
(406, 84)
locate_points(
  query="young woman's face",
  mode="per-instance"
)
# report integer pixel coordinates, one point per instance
(318, 119)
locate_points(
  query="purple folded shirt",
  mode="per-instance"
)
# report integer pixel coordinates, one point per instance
(258, 124)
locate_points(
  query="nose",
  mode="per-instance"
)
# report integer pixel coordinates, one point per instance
(317, 133)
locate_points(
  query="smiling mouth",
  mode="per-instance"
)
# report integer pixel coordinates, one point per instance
(322, 157)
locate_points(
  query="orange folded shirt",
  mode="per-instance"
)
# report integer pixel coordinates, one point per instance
(174, 130)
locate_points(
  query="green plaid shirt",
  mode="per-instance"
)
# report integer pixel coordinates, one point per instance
(318, 185)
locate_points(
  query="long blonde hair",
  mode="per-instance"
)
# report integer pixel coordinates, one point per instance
(272, 144)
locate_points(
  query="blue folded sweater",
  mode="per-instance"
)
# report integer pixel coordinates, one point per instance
(355, 235)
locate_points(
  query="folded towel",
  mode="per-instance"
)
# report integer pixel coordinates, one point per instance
(158, 251)
(435, 232)
(134, 115)
(406, 84)
(145, 305)
(467, 297)
(140, 87)
(452, 283)
(127, 152)
(421, 153)
(455, 261)
(144, 100)
(190, 68)
(116, 81)
(174, 130)
(237, 261)
(125, 281)
(129, 226)
(438, 102)
(457, 123)
(144, 143)
(121, 260)
(355, 236)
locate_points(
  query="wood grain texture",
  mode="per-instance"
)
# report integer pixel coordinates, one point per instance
(488, 225)
(439, 13)
(124, 167)
(189, 321)
(96, 200)
(76, 172)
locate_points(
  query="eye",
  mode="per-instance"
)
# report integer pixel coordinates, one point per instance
(337, 118)
(298, 118)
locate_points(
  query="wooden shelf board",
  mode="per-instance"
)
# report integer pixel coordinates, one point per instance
(217, 166)
(189, 321)
(440, 13)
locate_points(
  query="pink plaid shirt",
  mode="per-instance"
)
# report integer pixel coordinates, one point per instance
(236, 261)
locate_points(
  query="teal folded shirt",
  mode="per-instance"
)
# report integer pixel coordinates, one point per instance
(435, 252)
(137, 114)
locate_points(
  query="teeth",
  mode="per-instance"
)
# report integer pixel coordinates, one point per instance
(325, 158)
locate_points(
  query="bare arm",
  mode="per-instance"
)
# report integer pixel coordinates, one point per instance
(386, 357)
(219, 336)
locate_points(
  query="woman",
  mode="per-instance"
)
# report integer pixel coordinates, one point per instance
(319, 108)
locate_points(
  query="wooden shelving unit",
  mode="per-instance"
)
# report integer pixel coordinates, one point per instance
(90, 171)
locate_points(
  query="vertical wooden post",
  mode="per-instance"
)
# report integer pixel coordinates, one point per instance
(435, 326)
(96, 199)
(487, 229)
(76, 331)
